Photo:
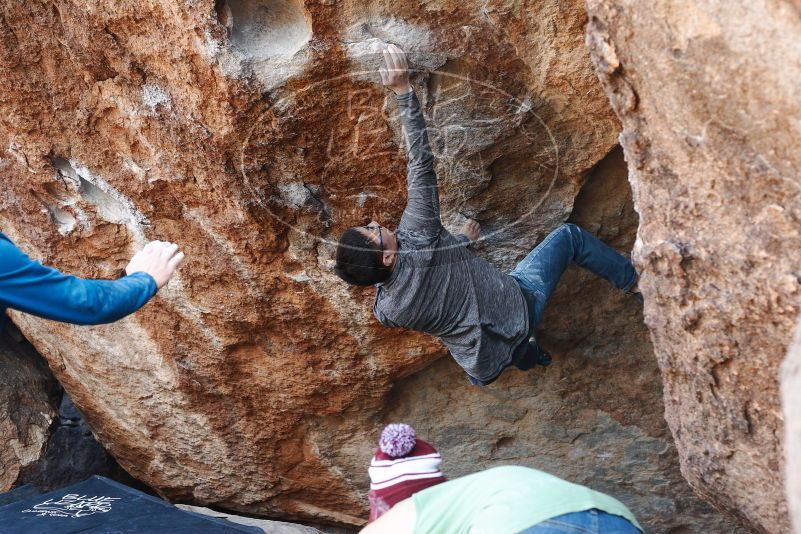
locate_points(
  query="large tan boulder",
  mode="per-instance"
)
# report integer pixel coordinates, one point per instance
(707, 93)
(252, 132)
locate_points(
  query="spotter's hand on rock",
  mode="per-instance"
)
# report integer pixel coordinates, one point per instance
(159, 259)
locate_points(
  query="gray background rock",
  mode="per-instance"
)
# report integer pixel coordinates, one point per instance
(707, 93)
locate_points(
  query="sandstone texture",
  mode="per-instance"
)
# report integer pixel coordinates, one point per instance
(27, 391)
(707, 93)
(252, 132)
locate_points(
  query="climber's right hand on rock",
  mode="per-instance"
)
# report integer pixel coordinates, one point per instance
(471, 229)
(395, 74)
(159, 259)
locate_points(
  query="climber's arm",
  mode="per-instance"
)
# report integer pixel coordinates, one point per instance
(422, 206)
(31, 287)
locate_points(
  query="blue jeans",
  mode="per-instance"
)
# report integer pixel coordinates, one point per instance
(540, 271)
(587, 522)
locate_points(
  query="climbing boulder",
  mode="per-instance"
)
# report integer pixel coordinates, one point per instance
(707, 93)
(252, 133)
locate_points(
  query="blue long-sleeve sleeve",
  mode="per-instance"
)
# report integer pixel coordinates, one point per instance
(28, 286)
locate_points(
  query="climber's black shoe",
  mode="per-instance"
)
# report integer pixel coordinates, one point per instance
(543, 358)
(531, 356)
(634, 291)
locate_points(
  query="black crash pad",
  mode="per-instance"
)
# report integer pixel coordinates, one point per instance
(99, 505)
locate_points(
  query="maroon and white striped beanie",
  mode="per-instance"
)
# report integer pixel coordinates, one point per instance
(402, 466)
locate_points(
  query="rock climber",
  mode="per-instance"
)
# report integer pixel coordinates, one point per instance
(428, 280)
(408, 493)
(28, 286)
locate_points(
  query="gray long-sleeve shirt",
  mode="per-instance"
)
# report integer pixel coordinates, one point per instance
(440, 287)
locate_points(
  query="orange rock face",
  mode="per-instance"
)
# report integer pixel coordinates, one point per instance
(707, 95)
(252, 132)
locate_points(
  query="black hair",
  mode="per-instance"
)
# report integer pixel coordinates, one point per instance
(359, 260)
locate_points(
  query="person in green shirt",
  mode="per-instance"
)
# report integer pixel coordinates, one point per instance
(504, 500)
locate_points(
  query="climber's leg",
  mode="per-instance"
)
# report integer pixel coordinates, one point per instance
(540, 271)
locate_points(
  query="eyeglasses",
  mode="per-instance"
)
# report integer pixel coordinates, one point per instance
(380, 236)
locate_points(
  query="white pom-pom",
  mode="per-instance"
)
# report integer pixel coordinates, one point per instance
(397, 440)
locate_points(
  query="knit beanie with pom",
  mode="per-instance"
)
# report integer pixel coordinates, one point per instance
(402, 466)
